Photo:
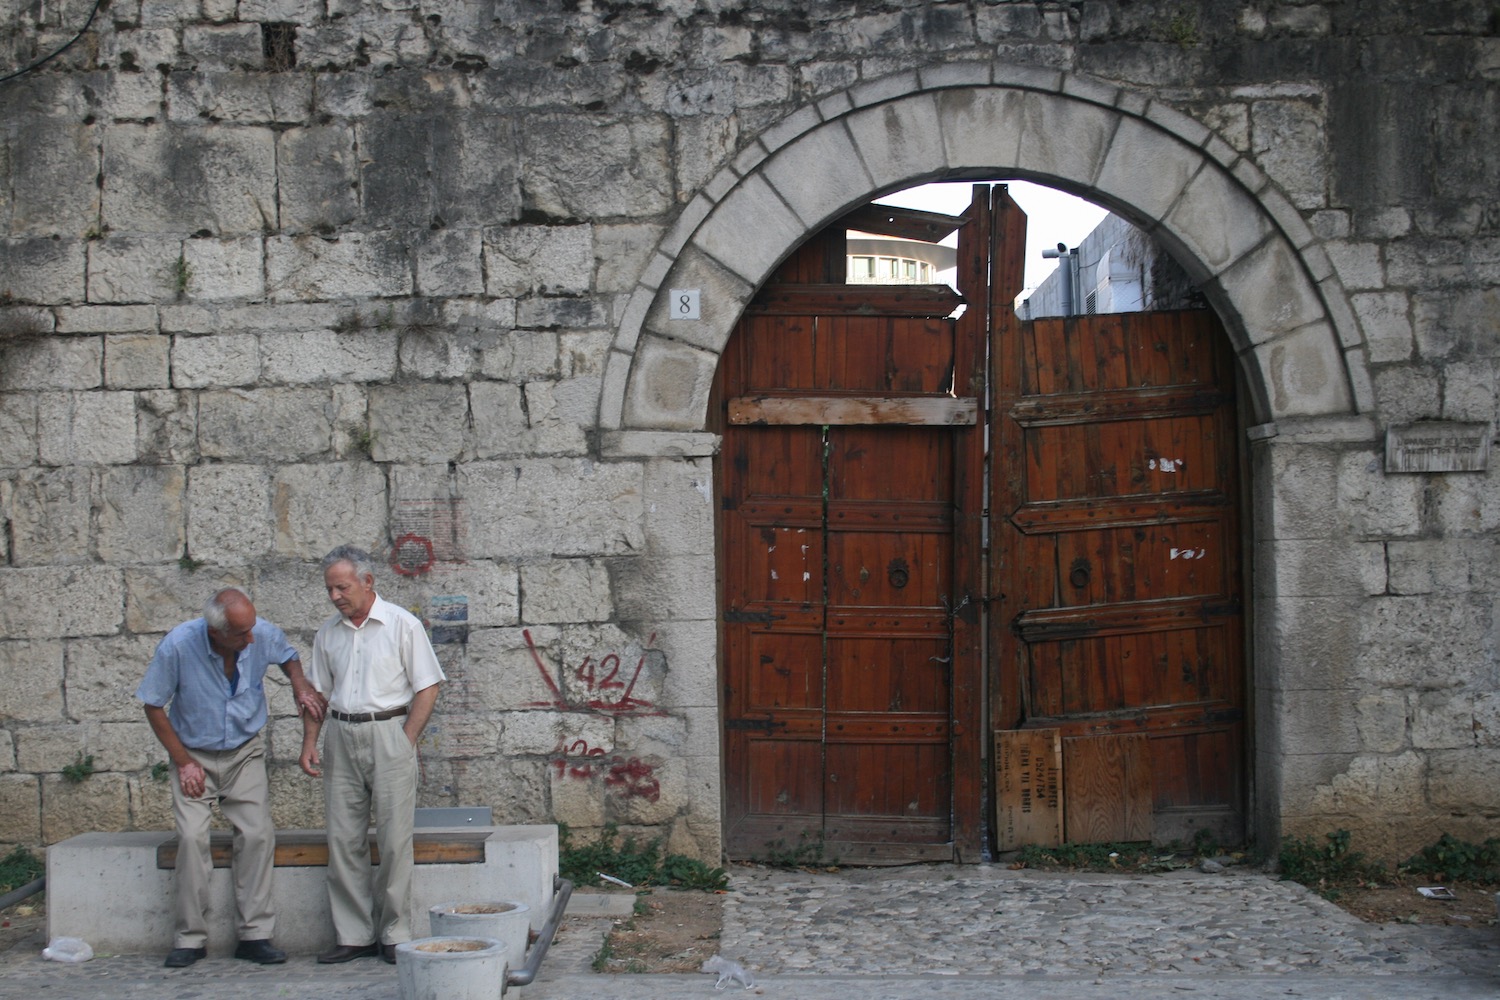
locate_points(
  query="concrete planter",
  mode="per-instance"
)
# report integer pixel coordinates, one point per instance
(451, 968)
(505, 920)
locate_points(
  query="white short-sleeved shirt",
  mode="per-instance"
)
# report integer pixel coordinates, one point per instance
(375, 666)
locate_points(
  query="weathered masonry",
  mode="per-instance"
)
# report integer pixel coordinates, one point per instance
(470, 283)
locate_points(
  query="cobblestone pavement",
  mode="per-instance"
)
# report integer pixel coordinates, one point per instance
(943, 932)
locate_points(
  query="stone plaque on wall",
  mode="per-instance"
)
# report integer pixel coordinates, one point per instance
(1437, 446)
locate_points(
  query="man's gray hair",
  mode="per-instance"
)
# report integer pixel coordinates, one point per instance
(358, 559)
(214, 611)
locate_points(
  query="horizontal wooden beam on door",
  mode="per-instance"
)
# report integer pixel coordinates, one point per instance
(938, 411)
(932, 301)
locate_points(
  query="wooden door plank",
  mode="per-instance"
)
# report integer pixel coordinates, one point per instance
(1107, 788)
(1028, 786)
(309, 848)
(826, 410)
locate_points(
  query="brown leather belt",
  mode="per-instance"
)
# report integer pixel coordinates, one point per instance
(390, 713)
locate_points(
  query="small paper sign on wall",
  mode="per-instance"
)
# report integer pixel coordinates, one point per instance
(1437, 446)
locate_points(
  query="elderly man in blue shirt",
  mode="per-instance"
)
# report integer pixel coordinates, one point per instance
(211, 671)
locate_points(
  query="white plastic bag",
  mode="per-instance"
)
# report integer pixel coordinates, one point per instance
(68, 949)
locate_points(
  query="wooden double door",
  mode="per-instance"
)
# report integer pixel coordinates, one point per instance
(978, 575)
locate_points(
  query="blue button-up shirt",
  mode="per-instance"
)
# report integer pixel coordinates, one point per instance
(187, 672)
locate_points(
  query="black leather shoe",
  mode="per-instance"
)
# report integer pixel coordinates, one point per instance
(260, 950)
(181, 958)
(388, 953)
(348, 953)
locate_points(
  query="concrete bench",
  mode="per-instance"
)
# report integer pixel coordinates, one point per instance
(115, 890)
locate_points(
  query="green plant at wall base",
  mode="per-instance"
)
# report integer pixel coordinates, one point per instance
(20, 867)
(364, 441)
(1182, 31)
(188, 563)
(1328, 866)
(1450, 859)
(630, 860)
(80, 769)
(808, 852)
(159, 771)
(602, 957)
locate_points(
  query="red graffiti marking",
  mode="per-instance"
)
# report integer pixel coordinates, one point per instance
(599, 680)
(411, 555)
(630, 777)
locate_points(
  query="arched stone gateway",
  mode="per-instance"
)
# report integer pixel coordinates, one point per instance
(1299, 345)
(1236, 234)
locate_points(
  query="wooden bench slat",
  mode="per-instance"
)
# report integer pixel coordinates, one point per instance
(309, 848)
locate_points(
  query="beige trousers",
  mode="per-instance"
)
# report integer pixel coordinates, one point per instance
(236, 779)
(369, 773)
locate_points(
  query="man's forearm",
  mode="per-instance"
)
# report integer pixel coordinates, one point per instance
(167, 736)
(421, 710)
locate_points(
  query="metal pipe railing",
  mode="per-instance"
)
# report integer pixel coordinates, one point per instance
(29, 889)
(527, 973)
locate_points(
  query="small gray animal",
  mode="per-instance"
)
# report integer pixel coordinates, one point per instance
(728, 971)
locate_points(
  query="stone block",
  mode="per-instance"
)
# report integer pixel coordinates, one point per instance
(137, 361)
(50, 516)
(554, 507)
(443, 168)
(1289, 140)
(127, 49)
(1487, 719)
(125, 746)
(558, 415)
(316, 507)
(679, 506)
(20, 809)
(42, 270)
(296, 800)
(33, 690)
(981, 126)
(1317, 568)
(1443, 720)
(703, 145)
(1218, 224)
(284, 425)
(142, 517)
(7, 751)
(353, 266)
(1382, 722)
(99, 802)
(551, 733)
(222, 180)
(133, 268)
(1385, 318)
(621, 253)
(85, 428)
(1471, 391)
(1357, 264)
(576, 801)
(422, 423)
(106, 319)
(229, 514)
(239, 98)
(748, 231)
(625, 175)
(446, 353)
(52, 177)
(150, 802)
(319, 179)
(216, 361)
(218, 47)
(501, 670)
(291, 594)
(167, 427)
(670, 388)
(134, 96)
(53, 363)
(58, 602)
(51, 748)
(687, 661)
(662, 589)
(1456, 323)
(1443, 565)
(219, 269)
(1374, 505)
(451, 262)
(1431, 643)
(539, 260)
(1064, 138)
(158, 598)
(1461, 781)
(1310, 643)
(103, 674)
(329, 356)
(18, 429)
(565, 590)
(1408, 393)
(797, 174)
(565, 313)
(1375, 785)
(899, 140)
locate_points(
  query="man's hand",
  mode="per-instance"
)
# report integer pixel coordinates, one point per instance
(308, 700)
(310, 761)
(192, 779)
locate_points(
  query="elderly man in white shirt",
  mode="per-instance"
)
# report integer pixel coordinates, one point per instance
(378, 670)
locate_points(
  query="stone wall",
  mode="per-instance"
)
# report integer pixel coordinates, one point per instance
(279, 274)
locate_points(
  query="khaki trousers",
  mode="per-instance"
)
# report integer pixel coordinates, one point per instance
(369, 773)
(236, 779)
